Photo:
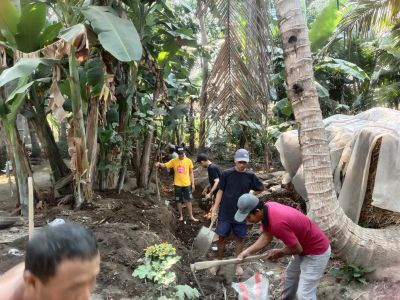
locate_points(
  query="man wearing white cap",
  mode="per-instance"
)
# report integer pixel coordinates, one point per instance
(233, 183)
(303, 239)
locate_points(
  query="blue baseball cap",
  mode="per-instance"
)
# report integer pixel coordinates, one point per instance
(246, 203)
(242, 155)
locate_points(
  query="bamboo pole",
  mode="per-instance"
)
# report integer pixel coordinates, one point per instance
(30, 207)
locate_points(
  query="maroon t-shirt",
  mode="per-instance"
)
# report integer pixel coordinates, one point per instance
(291, 226)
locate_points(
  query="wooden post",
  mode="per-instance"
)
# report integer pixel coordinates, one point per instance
(30, 207)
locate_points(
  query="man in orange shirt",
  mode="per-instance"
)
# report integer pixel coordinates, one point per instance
(183, 181)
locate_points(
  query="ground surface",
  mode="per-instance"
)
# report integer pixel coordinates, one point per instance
(125, 224)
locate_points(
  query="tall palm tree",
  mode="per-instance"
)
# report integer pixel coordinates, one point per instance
(368, 247)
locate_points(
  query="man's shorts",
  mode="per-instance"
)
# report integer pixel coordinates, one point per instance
(224, 228)
(183, 193)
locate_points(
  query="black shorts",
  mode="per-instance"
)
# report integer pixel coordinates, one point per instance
(183, 193)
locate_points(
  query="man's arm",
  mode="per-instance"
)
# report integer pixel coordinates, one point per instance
(204, 193)
(262, 242)
(274, 254)
(257, 185)
(213, 188)
(192, 179)
(215, 208)
(160, 165)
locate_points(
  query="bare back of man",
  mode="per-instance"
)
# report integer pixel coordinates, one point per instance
(11, 283)
(61, 263)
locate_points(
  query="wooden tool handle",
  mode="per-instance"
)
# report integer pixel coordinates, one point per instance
(211, 224)
(201, 265)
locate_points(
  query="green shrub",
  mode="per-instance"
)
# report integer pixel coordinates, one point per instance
(158, 261)
(350, 273)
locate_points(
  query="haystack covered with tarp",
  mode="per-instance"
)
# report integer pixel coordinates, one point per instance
(365, 159)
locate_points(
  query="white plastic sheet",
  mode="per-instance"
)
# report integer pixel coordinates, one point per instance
(351, 141)
(254, 288)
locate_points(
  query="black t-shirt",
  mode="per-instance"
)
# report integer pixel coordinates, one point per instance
(234, 184)
(213, 173)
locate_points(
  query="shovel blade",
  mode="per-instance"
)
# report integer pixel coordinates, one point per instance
(204, 239)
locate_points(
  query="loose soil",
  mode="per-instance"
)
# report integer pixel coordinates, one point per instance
(125, 224)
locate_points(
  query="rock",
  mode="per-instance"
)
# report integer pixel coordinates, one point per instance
(14, 230)
(278, 173)
(265, 176)
(264, 195)
(276, 189)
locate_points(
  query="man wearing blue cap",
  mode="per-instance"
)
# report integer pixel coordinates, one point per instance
(233, 183)
(303, 239)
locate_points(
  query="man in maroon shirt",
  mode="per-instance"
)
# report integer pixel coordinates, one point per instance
(303, 239)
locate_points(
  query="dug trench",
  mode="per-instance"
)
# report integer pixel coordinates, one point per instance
(125, 224)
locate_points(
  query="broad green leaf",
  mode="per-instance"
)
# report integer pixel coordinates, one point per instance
(49, 34)
(19, 90)
(95, 75)
(342, 66)
(162, 55)
(70, 33)
(117, 36)
(186, 292)
(284, 107)
(9, 18)
(321, 90)
(324, 25)
(22, 68)
(250, 124)
(17, 5)
(19, 98)
(32, 22)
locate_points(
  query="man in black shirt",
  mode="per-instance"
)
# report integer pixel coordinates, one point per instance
(233, 183)
(214, 174)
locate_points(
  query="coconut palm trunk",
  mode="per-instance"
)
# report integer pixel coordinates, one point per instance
(354, 244)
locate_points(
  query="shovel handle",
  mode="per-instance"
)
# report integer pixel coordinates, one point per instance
(211, 224)
(201, 265)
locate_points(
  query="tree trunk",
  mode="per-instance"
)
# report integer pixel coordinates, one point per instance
(21, 165)
(201, 9)
(191, 126)
(82, 164)
(178, 138)
(91, 134)
(357, 245)
(36, 151)
(145, 161)
(125, 119)
(58, 168)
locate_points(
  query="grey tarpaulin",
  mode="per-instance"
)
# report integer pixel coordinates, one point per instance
(351, 141)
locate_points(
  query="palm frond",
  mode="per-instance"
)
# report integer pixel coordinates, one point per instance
(388, 94)
(367, 18)
(367, 15)
(239, 79)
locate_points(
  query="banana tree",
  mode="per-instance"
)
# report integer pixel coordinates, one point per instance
(119, 37)
(116, 36)
(15, 83)
(26, 31)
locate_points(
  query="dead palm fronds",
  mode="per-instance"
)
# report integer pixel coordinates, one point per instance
(239, 81)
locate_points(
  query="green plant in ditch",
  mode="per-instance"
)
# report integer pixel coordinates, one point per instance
(350, 273)
(156, 267)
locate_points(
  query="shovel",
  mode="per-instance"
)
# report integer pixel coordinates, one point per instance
(204, 239)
